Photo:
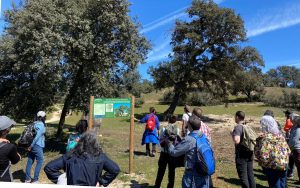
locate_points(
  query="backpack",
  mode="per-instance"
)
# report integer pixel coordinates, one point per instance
(170, 131)
(150, 125)
(204, 160)
(249, 139)
(27, 136)
(72, 141)
(272, 151)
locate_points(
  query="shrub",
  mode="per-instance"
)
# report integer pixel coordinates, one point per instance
(138, 102)
(202, 99)
(194, 98)
(288, 99)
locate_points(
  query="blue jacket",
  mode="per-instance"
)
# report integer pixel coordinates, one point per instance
(150, 136)
(84, 170)
(39, 138)
(188, 147)
(294, 141)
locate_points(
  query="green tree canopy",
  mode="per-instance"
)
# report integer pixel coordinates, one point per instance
(249, 83)
(71, 47)
(283, 76)
(208, 52)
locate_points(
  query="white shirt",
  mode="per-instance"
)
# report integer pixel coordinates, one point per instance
(186, 116)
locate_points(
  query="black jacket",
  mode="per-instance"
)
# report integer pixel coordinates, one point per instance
(83, 170)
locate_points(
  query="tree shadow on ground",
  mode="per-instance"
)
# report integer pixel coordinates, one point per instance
(258, 173)
(137, 153)
(19, 175)
(236, 181)
(55, 146)
(233, 181)
(211, 120)
(135, 184)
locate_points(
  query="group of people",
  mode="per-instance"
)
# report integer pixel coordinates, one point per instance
(84, 161)
(277, 149)
(9, 154)
(177, 147)
(83, 164)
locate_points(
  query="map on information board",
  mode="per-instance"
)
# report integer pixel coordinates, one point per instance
(112, 107)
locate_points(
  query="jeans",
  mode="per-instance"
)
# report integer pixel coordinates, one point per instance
(296, 155)
(244, 167)
(164, 160)
(35, 153)
(189, 180)
(276, 178)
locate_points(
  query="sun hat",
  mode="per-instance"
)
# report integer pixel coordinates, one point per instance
(6, 122)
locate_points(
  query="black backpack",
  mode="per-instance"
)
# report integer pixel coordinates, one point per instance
(27, 136)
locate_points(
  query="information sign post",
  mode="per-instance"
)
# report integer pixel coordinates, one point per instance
(114, 108)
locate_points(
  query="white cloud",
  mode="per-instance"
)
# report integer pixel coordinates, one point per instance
(158, 57)
(168, 18)
(161, 52)
(163, 22)
(271, 20)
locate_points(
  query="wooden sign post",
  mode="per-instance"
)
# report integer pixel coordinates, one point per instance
(114, 108)
(131, 139)
(91, 114)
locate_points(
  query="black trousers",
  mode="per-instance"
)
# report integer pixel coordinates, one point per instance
(244, 167)
(153, 147)
(291, 165)
(164, 160)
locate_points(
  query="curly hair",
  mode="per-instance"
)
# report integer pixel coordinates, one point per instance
(88, 144)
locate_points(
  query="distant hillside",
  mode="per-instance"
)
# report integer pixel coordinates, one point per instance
(277, 91)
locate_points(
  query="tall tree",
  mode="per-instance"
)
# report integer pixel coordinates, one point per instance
(249, 83)
(283, 76)
(207, 52)
(271, 78)
(71, 45)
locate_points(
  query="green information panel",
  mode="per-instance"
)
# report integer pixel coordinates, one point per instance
(112, 108)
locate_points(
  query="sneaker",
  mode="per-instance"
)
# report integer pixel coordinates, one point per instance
(35, 181)
(147, 153)
(290, 176)
(28, 181)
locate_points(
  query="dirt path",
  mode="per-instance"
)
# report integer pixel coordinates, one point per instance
(55, 117)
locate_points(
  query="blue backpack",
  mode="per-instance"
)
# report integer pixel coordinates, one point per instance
(204, 160)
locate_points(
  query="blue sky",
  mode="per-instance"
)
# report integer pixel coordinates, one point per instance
(273, 27)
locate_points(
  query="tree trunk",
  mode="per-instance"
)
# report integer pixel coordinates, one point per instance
(172, 107)
(249, 96)
(67, 102)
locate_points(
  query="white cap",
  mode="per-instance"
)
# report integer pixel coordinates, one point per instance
(41, 114)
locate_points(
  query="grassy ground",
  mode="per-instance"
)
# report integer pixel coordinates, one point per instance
(114, 136)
